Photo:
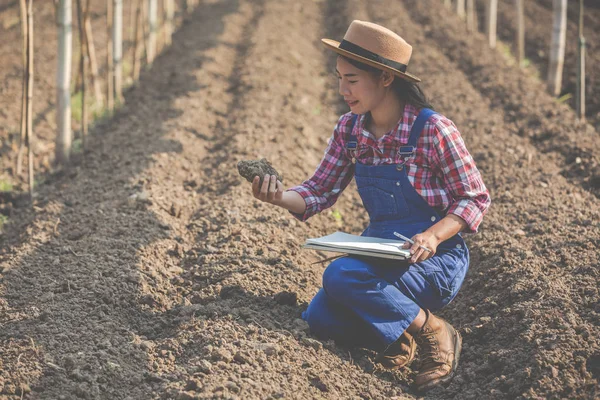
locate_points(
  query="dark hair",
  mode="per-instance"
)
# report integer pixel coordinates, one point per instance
(406, 91)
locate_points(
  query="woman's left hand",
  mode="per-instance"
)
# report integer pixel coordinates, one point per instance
(418, 253)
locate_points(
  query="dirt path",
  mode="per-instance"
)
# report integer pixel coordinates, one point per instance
(149, 271)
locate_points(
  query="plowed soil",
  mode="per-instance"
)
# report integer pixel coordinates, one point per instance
(148, 271)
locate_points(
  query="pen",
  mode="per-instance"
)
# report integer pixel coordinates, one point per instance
(410, 241)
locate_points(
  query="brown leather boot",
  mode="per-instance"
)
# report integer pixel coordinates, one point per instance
(440, 346)
(400, 353)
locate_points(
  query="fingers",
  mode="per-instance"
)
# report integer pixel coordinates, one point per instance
(272, 186)
(417, 255)
(255, 188)
(270, 190)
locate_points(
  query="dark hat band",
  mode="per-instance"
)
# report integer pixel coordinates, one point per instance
(359, 51)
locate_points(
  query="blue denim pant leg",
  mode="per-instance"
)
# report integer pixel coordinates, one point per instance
(382, 305)
(330, 320)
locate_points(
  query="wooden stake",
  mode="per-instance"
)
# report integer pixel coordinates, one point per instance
(169, 13)
(460, 8)
(132, 7)
(110, 93)
(557, 48)
(520, 31)
(152, 24)
(117, 33)
(63, 101)
(82, 71)
(30, 138)
(580, 101)
(491, 17)
(91, 52)
(135, 71)
(471, 16)
(25, 31)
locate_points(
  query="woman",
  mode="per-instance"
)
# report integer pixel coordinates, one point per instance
(415, 177)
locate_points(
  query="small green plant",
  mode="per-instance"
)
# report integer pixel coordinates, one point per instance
(3, 221)
(564, 97)
(337, 217)
(5, 186)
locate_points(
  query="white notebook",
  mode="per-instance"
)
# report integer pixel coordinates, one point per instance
(340, 242)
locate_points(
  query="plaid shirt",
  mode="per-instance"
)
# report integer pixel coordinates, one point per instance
(442, 171)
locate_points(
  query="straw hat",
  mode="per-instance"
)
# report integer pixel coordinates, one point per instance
(376, 46)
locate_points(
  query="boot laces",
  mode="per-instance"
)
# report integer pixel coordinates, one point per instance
(429, 344)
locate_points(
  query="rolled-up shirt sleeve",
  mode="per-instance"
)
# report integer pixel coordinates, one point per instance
(332, 176)
(460, 176)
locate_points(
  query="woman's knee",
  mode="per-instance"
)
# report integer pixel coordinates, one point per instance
(341, 274)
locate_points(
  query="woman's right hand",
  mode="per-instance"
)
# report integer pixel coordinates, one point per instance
(271, 190)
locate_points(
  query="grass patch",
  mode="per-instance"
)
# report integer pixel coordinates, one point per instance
(3, 221)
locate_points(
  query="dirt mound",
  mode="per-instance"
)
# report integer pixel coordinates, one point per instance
(149, 270)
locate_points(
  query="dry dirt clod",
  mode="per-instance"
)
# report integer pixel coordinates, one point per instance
(251, 168)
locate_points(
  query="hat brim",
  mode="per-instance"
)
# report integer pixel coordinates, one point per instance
(334, 45)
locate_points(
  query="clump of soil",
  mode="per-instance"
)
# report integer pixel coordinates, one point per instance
(251, 168)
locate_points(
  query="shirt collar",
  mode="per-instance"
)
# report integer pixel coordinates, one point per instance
(401, 131)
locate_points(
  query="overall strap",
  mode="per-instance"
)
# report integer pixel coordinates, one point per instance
(409, 150)
(352, 143)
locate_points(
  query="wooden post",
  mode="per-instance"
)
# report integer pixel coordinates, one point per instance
(460, 8)
(91, 52)
(520, 31)
(471, 16)
(581, 68)
(169, 13)
(137, 60)
(83, 60)
(25, 31)
(63, 95)
(557, 48)
(491, 19)
(131, 27)
(117, 33)
(110, 91)
(30, 138)
(152, 24)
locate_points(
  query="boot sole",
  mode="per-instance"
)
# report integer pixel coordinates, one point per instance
(446, 380)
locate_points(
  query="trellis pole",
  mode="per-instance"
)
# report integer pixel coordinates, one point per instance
(83, 60)
(30, 96)
(110, 90)
(580, 101)
(91, 52)
(152, 25)
(471, 16)
(137, 40)
(520, 31)
(63, 94)
(491, 20)
(117, 33)
(460, 8)
(557, 48)
(25, 31)
(169, 13)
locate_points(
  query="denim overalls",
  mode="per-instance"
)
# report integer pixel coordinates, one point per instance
(369, 302)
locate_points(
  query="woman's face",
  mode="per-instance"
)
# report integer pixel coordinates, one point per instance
(361, 90)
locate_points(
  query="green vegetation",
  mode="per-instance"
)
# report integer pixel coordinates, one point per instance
(5, 186)
(336, 215)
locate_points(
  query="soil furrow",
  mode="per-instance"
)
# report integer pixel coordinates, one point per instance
(528, 111)
(538, 28)
(78, 306)
(523, 308)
